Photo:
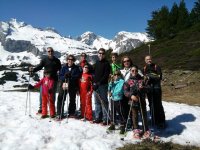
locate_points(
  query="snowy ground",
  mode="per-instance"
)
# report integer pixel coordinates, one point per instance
(19, 131)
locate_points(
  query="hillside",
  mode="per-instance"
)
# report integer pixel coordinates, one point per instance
(180, 61)
(182, 52)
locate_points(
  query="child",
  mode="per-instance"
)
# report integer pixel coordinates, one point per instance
(115, 90)
(47, 94)
(86, 93)
(135, 91)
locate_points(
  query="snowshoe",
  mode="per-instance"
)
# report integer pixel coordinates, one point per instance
(137, 134)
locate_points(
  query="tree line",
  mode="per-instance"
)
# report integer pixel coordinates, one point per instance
(167, 23)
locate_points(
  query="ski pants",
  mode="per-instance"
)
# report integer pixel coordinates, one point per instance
(45, 100)
(54, 94)
(86, 105)
(116, 107)
(155, 104)
(62, 95)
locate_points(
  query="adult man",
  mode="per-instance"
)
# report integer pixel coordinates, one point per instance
(70, 74)
(101, 75)
(52, 64)
(154, 74)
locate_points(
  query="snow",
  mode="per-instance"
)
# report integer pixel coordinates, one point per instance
(19, 131)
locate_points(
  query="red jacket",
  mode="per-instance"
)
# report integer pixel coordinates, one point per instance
(46, 83)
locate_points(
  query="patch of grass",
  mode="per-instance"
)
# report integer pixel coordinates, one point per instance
(149, 145)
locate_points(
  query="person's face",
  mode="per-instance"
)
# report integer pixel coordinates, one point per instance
(134, 71)
(113, 58)
(101, 55)
(116, 77)
(85, 69)
(50, 52)
(126, 62)
(83, 57)
(70, 61)
(47, 75)
(148, 60)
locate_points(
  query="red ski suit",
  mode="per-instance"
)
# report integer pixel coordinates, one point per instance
(86, 95)
(47, 95)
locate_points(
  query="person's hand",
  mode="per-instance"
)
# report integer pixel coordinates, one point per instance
(65, 86)
(134, 98)
(109, 94)
(95, 86)
(30, 87)
(68, 75)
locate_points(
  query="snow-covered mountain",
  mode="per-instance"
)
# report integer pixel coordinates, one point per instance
(122, 42)
(16, 38)
(21, 42)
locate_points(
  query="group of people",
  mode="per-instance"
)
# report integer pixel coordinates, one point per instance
(119, 90)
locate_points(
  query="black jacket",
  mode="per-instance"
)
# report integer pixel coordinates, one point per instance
(102, 72)
(52, 65)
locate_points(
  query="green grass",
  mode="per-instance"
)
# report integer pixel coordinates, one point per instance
(149, 145)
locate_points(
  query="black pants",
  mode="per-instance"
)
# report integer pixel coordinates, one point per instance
(62, 98)
(116, 107)
(155, 103)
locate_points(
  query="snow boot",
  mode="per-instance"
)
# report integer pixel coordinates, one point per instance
(122, 129)
(112, 127)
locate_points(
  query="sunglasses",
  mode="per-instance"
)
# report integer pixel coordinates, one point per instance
(50, 51)
(116, 74)
(70, 59)
(133, 70)
(126, 61)
(101, 53)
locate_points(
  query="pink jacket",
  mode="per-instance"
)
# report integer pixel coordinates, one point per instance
(46, 83)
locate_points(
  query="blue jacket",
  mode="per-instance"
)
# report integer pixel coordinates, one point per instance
(116, 88)
(75, 75)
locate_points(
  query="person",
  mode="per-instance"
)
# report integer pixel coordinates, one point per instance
(115, 91)
(47, 84)
(69, 78)
(134, 89)
(83, 61)
(52, 64)
(100, 86)
(126, 63)
(85, 91)
(154, 75)
(114, 65)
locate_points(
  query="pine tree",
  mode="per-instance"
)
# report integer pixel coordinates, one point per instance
(173, 17)
(183, 17)
(195, 13)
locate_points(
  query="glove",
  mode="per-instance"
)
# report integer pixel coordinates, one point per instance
(30, 70)
(68, 75)
(95, 86)
(50, 91)
(30, 87)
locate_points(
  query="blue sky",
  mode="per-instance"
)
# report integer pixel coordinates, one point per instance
(74, 17)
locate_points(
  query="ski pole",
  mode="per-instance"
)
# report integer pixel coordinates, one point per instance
(141, 110)
(129, 113)
(61, 113)
(67, 101)
(27, 95)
